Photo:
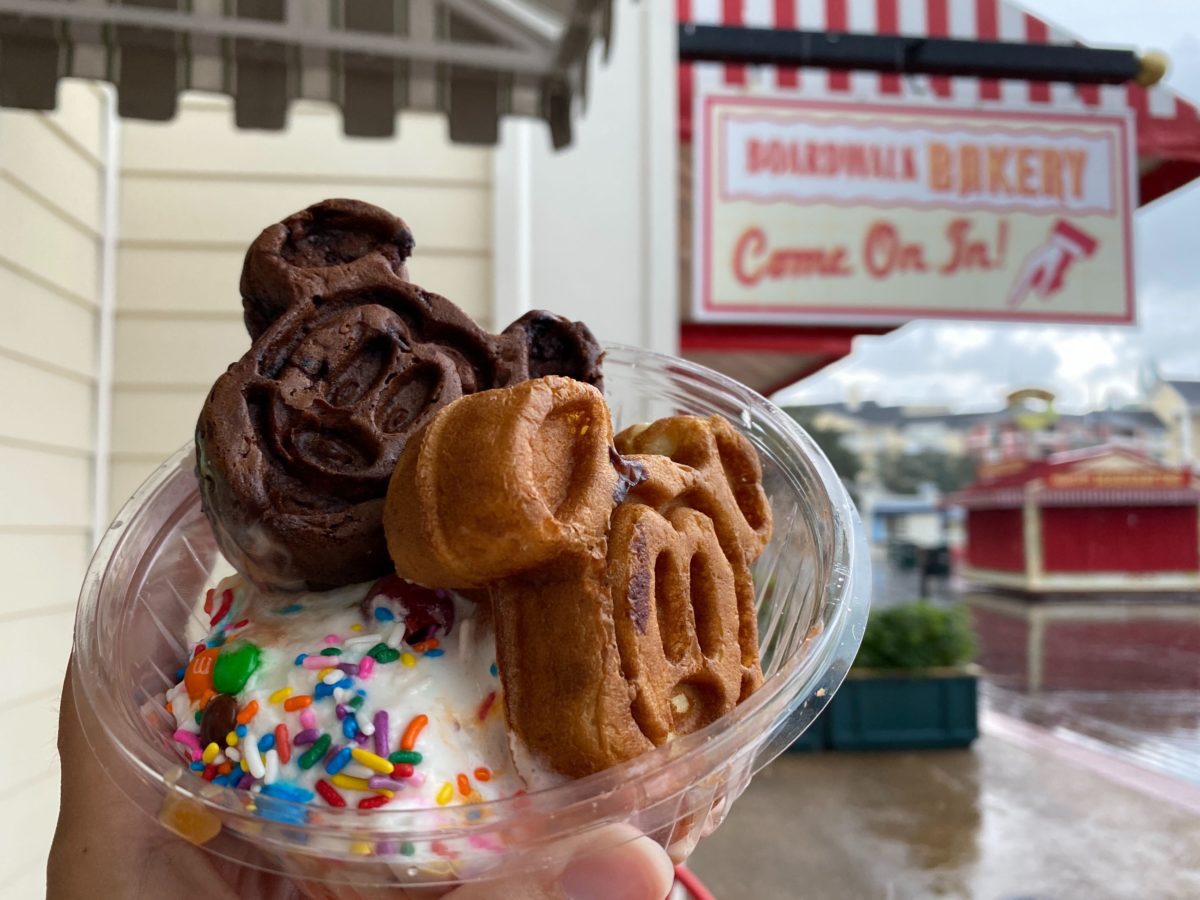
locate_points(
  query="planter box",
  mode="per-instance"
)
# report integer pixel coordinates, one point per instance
(884, 710)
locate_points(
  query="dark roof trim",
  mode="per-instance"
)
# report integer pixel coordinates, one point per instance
(472, 59)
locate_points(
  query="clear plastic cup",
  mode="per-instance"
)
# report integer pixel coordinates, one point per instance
(812, 583)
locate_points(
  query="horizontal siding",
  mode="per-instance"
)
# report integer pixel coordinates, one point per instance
(46, 408)
(44, 328)
(41, 244)
(31, 883)
(230, 212)
(50, 191)
(27, 828)
(44, 489)
(54, 169)
(465, 280)
(125, 477)
(170, 352)
(150, 276)
(31, 800)
(38, 665)
(202, 140)
(50, 569)
(195, 192)
(79, 117)
(151, 425)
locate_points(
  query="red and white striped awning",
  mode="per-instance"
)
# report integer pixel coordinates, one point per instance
(1168, 127)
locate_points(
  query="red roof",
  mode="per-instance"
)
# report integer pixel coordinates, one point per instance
(1093, 476)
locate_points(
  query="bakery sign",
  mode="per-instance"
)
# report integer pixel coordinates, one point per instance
(846, 212)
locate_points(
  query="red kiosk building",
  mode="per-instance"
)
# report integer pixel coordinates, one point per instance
(829, 163)
(1075, 558)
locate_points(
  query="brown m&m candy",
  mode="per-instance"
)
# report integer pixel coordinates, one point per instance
(218, 719)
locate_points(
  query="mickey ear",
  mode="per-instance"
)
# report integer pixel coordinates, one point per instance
(554, 345)
(331, 246)
(502, 482)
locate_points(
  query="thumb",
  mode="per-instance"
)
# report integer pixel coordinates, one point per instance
(614, 863)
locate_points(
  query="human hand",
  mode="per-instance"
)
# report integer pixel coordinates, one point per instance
(106, 847)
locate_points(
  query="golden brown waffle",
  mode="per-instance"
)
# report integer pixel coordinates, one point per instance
(624, 607)
(728, 490)
(504, 482)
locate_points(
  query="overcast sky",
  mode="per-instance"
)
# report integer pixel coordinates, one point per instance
(972, 365)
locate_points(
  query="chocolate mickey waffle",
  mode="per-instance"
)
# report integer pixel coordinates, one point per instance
(331, 246)
(298, 438)
(621, 586)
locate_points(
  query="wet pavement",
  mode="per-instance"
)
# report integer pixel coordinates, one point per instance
(1156, 730)
(1001, 821)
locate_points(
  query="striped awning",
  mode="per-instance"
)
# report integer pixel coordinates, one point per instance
(1168, 127)
(476, 60)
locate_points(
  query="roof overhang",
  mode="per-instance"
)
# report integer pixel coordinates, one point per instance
(476, 60)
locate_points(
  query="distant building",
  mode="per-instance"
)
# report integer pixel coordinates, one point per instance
(918, 519)
(873, 431)
(1028, 428)
(1074, 559)
(1101, 519)
(1177, 403)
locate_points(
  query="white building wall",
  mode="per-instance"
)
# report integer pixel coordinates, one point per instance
(195, 191)
(590, 231)
(51, 191)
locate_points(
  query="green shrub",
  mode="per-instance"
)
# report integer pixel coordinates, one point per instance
(916, 636)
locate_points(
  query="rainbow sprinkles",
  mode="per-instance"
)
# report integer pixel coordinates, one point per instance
(374, 696)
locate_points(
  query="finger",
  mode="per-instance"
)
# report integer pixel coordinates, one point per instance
(615, 862)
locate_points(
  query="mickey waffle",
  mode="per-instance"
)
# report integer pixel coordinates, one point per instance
(330, 246)
(298, 438)
(621, 586)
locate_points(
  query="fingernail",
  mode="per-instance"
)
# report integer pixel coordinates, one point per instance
(636, 870)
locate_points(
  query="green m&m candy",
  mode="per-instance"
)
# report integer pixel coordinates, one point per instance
(234, 667)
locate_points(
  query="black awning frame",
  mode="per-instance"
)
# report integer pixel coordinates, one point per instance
(912, 55)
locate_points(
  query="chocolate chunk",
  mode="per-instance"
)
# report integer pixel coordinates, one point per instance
(218, 719)
(332, 246)
(298, 439)
(630, 473)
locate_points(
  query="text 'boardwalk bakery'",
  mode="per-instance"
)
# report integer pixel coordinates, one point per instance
(889, 212)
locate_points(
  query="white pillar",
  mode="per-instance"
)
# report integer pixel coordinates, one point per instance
(106, 312)
(1186, 423)
(1031, 520)
(590, 231)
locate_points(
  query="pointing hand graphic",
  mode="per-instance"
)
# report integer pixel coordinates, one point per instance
(1045, 268)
